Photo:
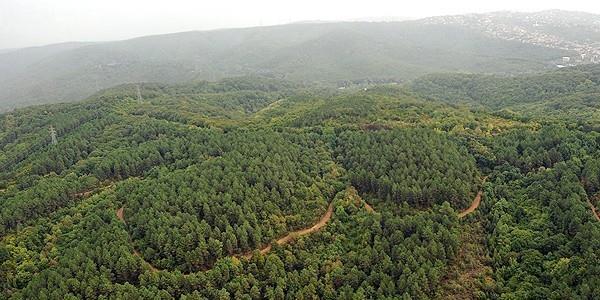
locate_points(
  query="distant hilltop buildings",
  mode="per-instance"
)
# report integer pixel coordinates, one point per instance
(583, 58)
(539, 29)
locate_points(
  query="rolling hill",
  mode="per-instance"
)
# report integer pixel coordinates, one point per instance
(568, 94)
(328, 53)
(252, 188)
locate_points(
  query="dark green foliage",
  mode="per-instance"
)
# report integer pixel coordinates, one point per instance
(543, 236)
(191, 217)
(208, 171)
(419, 166)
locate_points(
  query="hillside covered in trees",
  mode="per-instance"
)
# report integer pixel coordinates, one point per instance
(327, 53)
(255, 188)
(570, 95)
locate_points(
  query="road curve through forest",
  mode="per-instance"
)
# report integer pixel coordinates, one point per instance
(121, 217)
(295, 234)
(475, 203)
(281, 241)
(298, 233)
(120, 214)
(594, 211)
(87, 193)
(473, 207)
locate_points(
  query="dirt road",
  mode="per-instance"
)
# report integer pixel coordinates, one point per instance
(85, 194)
(120, 214)
(121, 217)
(594, 211)
(473, 206)
(281, 241)
(295, 234)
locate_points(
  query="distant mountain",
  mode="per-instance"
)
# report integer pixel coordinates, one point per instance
(382, 19)
(7, 50)
(15, 61)
(329, 53)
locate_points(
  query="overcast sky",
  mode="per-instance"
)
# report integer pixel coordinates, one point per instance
(37, 22)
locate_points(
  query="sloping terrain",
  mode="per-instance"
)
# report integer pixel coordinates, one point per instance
(330, 53)
(207, 171)
(567, 94)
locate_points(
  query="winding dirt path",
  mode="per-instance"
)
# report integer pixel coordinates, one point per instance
(121, 216)
(248, 255)
(475, 203)
(473, 207)
(87, 193)
(120, 213)
(594, 211)
(295, 234)
(322, 222)
(268, 107)
(369, 208)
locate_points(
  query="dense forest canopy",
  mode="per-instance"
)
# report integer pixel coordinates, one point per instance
(256, 188)
(569, 94)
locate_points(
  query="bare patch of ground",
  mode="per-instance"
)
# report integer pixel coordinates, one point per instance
(469, 272)
(473, 207)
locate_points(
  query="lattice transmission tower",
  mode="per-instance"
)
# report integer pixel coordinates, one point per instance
(139, 93)
(53, 135)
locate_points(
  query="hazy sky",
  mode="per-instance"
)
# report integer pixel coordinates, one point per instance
(37, 22)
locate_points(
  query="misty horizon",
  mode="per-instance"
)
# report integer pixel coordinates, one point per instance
(372, 19)
(68, 21)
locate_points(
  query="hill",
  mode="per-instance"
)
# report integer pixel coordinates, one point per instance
(570, 94)
(251, 188)
(567, 30)
(328, 53)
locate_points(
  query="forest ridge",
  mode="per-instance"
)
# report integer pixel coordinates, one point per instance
(332, 54)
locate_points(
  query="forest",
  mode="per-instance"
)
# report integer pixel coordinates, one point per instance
(260, 188)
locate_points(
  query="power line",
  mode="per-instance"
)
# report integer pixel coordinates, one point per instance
(53, 135)
(139, 93)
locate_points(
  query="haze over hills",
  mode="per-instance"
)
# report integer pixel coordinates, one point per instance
(16, 61)
(566, 30)
(7, 50)
(328, 53)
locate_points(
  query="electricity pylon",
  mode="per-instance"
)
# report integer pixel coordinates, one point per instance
(53, 135)
(139, 93)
